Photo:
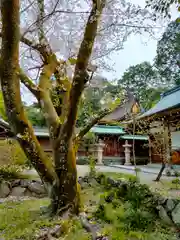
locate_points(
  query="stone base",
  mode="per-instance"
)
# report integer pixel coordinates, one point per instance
(128, 164)
(99, 164)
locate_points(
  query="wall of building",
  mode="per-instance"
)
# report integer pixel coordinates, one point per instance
(175, 137)
(113, 149)
(157, 148)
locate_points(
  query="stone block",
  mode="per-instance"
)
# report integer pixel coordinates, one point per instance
(4, 189)
(176, 214)
(164, 216)
(37, 188)
(170, 204)
(18, 191)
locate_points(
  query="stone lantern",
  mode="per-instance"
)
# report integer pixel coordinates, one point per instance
(127, 152)
(99, 147)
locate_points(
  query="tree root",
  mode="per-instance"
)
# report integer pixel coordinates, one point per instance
(90, 228)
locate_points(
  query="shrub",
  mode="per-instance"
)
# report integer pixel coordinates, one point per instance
(138, 194)
(11, 153)
(136, 219)
(9, 172)
(176, 181)
(82, 161)
(100, 212)
(92, 166)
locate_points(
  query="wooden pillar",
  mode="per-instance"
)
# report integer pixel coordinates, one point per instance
(167, 143)
(150, 149)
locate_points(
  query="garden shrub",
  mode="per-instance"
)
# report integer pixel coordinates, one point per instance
(82, 161)
(176, 181)
(138, 194)
(92, 166)
(136, 219)
(10, 172)
(11, 153)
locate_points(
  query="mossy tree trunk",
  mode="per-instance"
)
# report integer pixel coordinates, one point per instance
(11, 91)
(62, 179)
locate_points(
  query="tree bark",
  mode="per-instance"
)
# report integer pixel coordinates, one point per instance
(166, 155)
(11, 92)
(62, 178)
(160, 172)
(65, 191)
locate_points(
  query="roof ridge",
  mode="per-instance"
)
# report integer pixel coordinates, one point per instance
(170, 91)
(109, 126)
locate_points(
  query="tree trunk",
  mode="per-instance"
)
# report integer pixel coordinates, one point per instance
(63, 178)
(160, 172)
(11, 92)
(66, 190)
(166, 158)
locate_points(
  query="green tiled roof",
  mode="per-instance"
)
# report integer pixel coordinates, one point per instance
(107, 130)
(136, 137)
(169, 100)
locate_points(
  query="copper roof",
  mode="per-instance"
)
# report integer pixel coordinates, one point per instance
(123, 111)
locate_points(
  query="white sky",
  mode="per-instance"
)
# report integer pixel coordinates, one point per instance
(137, 49)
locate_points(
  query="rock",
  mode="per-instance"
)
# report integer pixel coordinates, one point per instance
(37, 181)
(112, 182)
(15, 183)
(25, 183)
(4, 189)
(37, 187)
(176, 214)
(170, 204)
(56, 231)
(28, 193)
(164, 216)
(92, 182)
(161, 200)
(18, 191)
(35, 195)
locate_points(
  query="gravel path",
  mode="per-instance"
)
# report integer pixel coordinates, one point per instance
(145, 178)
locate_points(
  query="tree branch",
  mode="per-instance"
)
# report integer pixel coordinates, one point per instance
(91, 124)
(33, 88)
(80, 75)
(51, 115)
(40, 23)
(34, 45)
(11, 92)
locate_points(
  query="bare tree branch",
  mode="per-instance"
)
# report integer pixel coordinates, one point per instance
(80, 75)
(51, 115)
(26, 8)
(33, 88)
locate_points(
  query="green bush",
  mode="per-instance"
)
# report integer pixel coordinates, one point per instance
(176, 181)
(117, 176)
(136, 219)
(11, 153)
(10, 172)
(92, 166)
(82, 161)
(139, 195)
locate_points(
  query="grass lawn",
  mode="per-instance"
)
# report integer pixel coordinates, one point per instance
(117, 176)
(22, 220)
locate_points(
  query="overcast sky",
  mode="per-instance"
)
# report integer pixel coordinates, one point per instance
(137, 49)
